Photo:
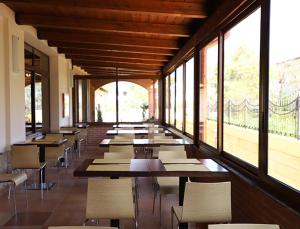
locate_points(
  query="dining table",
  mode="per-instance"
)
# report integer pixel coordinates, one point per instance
(135, 126)
(202, 169)
(138, 132)
(144, 142)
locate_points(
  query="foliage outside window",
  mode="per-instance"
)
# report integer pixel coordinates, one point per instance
(241, 89)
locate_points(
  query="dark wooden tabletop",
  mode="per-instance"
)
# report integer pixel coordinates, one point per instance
(137, 132)
(152, 167)
(43, 142)
(65, 132)
(135, 126)
(144, 142)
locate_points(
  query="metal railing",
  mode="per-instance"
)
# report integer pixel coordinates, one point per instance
(284, 115)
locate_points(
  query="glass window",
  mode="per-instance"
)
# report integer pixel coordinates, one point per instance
(105, 103)
(133, 102)
(167, 89)
(172, 99)
(156, 96)
(284, 93)
(241, 89)
(179, 97)
(38, 102)
(209, 94)
(189, 97)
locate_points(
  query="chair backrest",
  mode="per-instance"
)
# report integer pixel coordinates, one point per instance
(25, 157)
(207, 202)
(156, 128)
(151, 135)
(126, 136)
(110, 199)
(124, 128)
(53, 137)
(172, 148)
(119, 155)
(244, 226)
(172, 155)
(126, 148)
(162, 137)
(71, 138)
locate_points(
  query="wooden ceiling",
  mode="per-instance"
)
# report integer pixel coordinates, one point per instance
(136, 36)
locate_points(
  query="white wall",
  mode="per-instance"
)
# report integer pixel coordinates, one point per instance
(12, 84)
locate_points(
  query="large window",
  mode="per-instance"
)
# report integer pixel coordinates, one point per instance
(241, 89)
(284, 93)
(209, 94)
(172, 99)
(36, 85)
(189, 97)
(167, 104)
(105, 103)
(156, 99)
(179, 97)
(133, 102)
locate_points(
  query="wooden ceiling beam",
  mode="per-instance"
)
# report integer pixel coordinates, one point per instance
(153, 7)
(116, 60)
(97, 76)
(88, 24)
(99, 38)
(122, 69)
(112, 48)
(119, 65)
(104, 53)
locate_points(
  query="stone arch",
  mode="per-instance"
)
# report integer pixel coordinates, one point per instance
(145, 83)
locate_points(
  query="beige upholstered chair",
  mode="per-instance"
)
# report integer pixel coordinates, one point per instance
(172, 148)
(81, 227)
(126, 136)
(167, 185)
(126, 148)
(54, 154)
(124, 128)
(27, 157)
(72, 143)
(110, 199)
(118, 155)
(14, 179)
(204, 203)
(243, 226)
(151, 135)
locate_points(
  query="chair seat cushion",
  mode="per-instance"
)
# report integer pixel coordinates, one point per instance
(16, 178)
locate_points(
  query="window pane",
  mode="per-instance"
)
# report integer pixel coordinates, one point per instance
(38, 102)
(209, 94)
(172, 99)
(105, 103)
(133, 102)
(28, 108)
(241, 89)
(189, 97)
(167, 99)
(284, 93)
(156, 95)
(179, 97)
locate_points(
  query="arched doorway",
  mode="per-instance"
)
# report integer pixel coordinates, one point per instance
(133, 101)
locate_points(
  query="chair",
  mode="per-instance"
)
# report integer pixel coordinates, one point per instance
(81, 227)
(54, 154)
(72, 140)
(167, 185)
(171, 148)
(14, 179)
(243, 226)
(27, 157)
(110, 199)
(204, 203)
(151, 135)
(126, 148)
(124, 128)
(119, 155)
(126, 136)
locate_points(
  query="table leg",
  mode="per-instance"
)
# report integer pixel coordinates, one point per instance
(114, 222)
(42, 160)
(182, 181)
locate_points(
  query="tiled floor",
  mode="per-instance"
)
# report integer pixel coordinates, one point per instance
(65, 203)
